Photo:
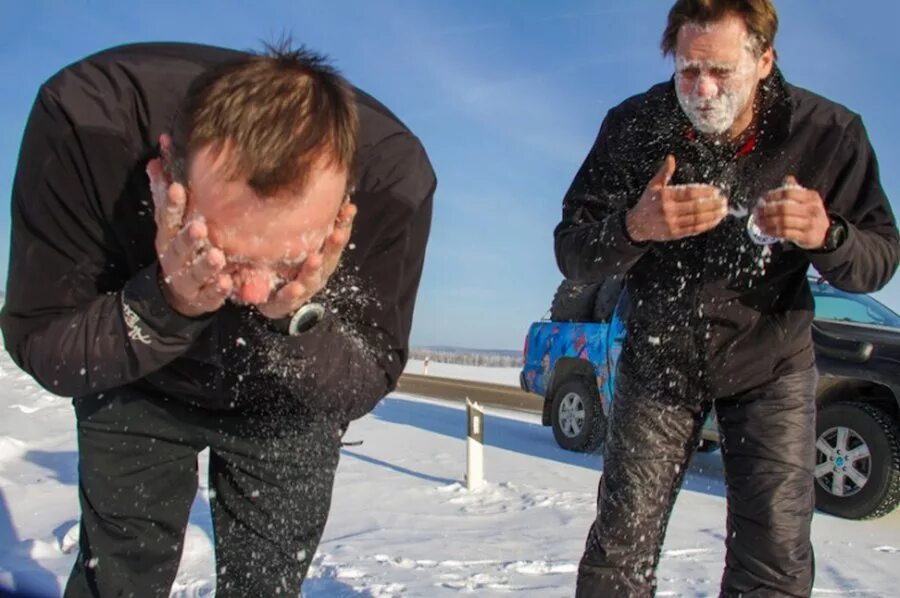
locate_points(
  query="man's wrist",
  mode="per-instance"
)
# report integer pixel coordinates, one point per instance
(173, 301)
(630, 228)
(834, 236)
(143, 294)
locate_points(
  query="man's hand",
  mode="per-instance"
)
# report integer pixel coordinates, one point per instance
(795, 214)
(316, 270)
(192, 279)
(667, 213)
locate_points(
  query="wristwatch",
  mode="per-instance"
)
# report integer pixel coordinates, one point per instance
(300, 321)
(835, 234)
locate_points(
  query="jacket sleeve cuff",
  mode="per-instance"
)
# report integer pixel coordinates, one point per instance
(627, 249)
(150, 312)
(825, 261)
(623, 227)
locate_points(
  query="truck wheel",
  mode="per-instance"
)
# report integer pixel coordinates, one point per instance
(857, 461)
(577, 417)
(573, 302)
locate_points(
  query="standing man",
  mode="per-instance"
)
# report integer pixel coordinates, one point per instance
(188, 263)
(713, 193)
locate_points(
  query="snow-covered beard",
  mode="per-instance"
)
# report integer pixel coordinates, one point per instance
(716, 115)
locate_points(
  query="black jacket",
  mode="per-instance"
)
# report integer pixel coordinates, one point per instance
(84, 312)
(716, 314)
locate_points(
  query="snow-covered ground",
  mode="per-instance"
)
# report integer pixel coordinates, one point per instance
(507, 376)
(403, 524)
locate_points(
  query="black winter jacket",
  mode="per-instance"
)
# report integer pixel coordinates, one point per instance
(84, 312)
(715, 314)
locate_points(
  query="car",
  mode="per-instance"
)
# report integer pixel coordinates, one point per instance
(570, 360)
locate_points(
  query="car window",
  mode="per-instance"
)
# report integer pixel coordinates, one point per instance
(838, 308)
(834, 305)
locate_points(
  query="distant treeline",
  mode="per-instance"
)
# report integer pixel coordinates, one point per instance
(483, 359)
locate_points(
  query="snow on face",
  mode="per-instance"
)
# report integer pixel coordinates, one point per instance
(713, 94)
(265, 240)
(715, 81)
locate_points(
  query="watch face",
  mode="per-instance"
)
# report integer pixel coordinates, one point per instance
(757, 236)
(305, 318)
(834, 236)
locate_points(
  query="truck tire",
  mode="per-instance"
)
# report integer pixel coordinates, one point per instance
(573, 302)
(577, 417)
(871, 439)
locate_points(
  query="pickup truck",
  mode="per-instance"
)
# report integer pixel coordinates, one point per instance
(570, 360)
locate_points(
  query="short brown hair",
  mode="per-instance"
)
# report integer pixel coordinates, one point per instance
(279, 112)
(759, 16)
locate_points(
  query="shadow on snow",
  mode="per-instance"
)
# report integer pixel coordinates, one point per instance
(705, 473)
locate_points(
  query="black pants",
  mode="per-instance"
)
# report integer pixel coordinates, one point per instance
(270, 480)
(768, 447)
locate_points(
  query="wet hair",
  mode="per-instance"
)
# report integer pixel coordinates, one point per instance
(759, 16)
(275, 113)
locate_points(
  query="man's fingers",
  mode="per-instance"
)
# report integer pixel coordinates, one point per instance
(778, 225)
(291, 296)
(346, 215)
(791, 181)
(173, 211)
(286, 300)
(788, 207)
(690, 221)
(786, 195)
(205, 266)
(336, 242)
(156, 173)
(677, 210)
(169, 214)
(340, 236)
(169, 199)
(184, 248)
(312, 265)
(159, 187)
(664, 174)
(688, 193)
(213, 294)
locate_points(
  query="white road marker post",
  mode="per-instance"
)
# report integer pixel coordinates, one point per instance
(475, 446)
(425, 366)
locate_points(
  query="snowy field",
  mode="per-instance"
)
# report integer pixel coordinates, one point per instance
(403, 525)
(507, 376)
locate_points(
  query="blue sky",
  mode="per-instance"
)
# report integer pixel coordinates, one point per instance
(506, 95)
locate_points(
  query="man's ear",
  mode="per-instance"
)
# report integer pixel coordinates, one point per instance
(165, 151)
(159, 173)
(159, 181)
(766, 63)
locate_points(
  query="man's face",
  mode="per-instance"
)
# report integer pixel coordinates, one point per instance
(717, 74)
(265, 239)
